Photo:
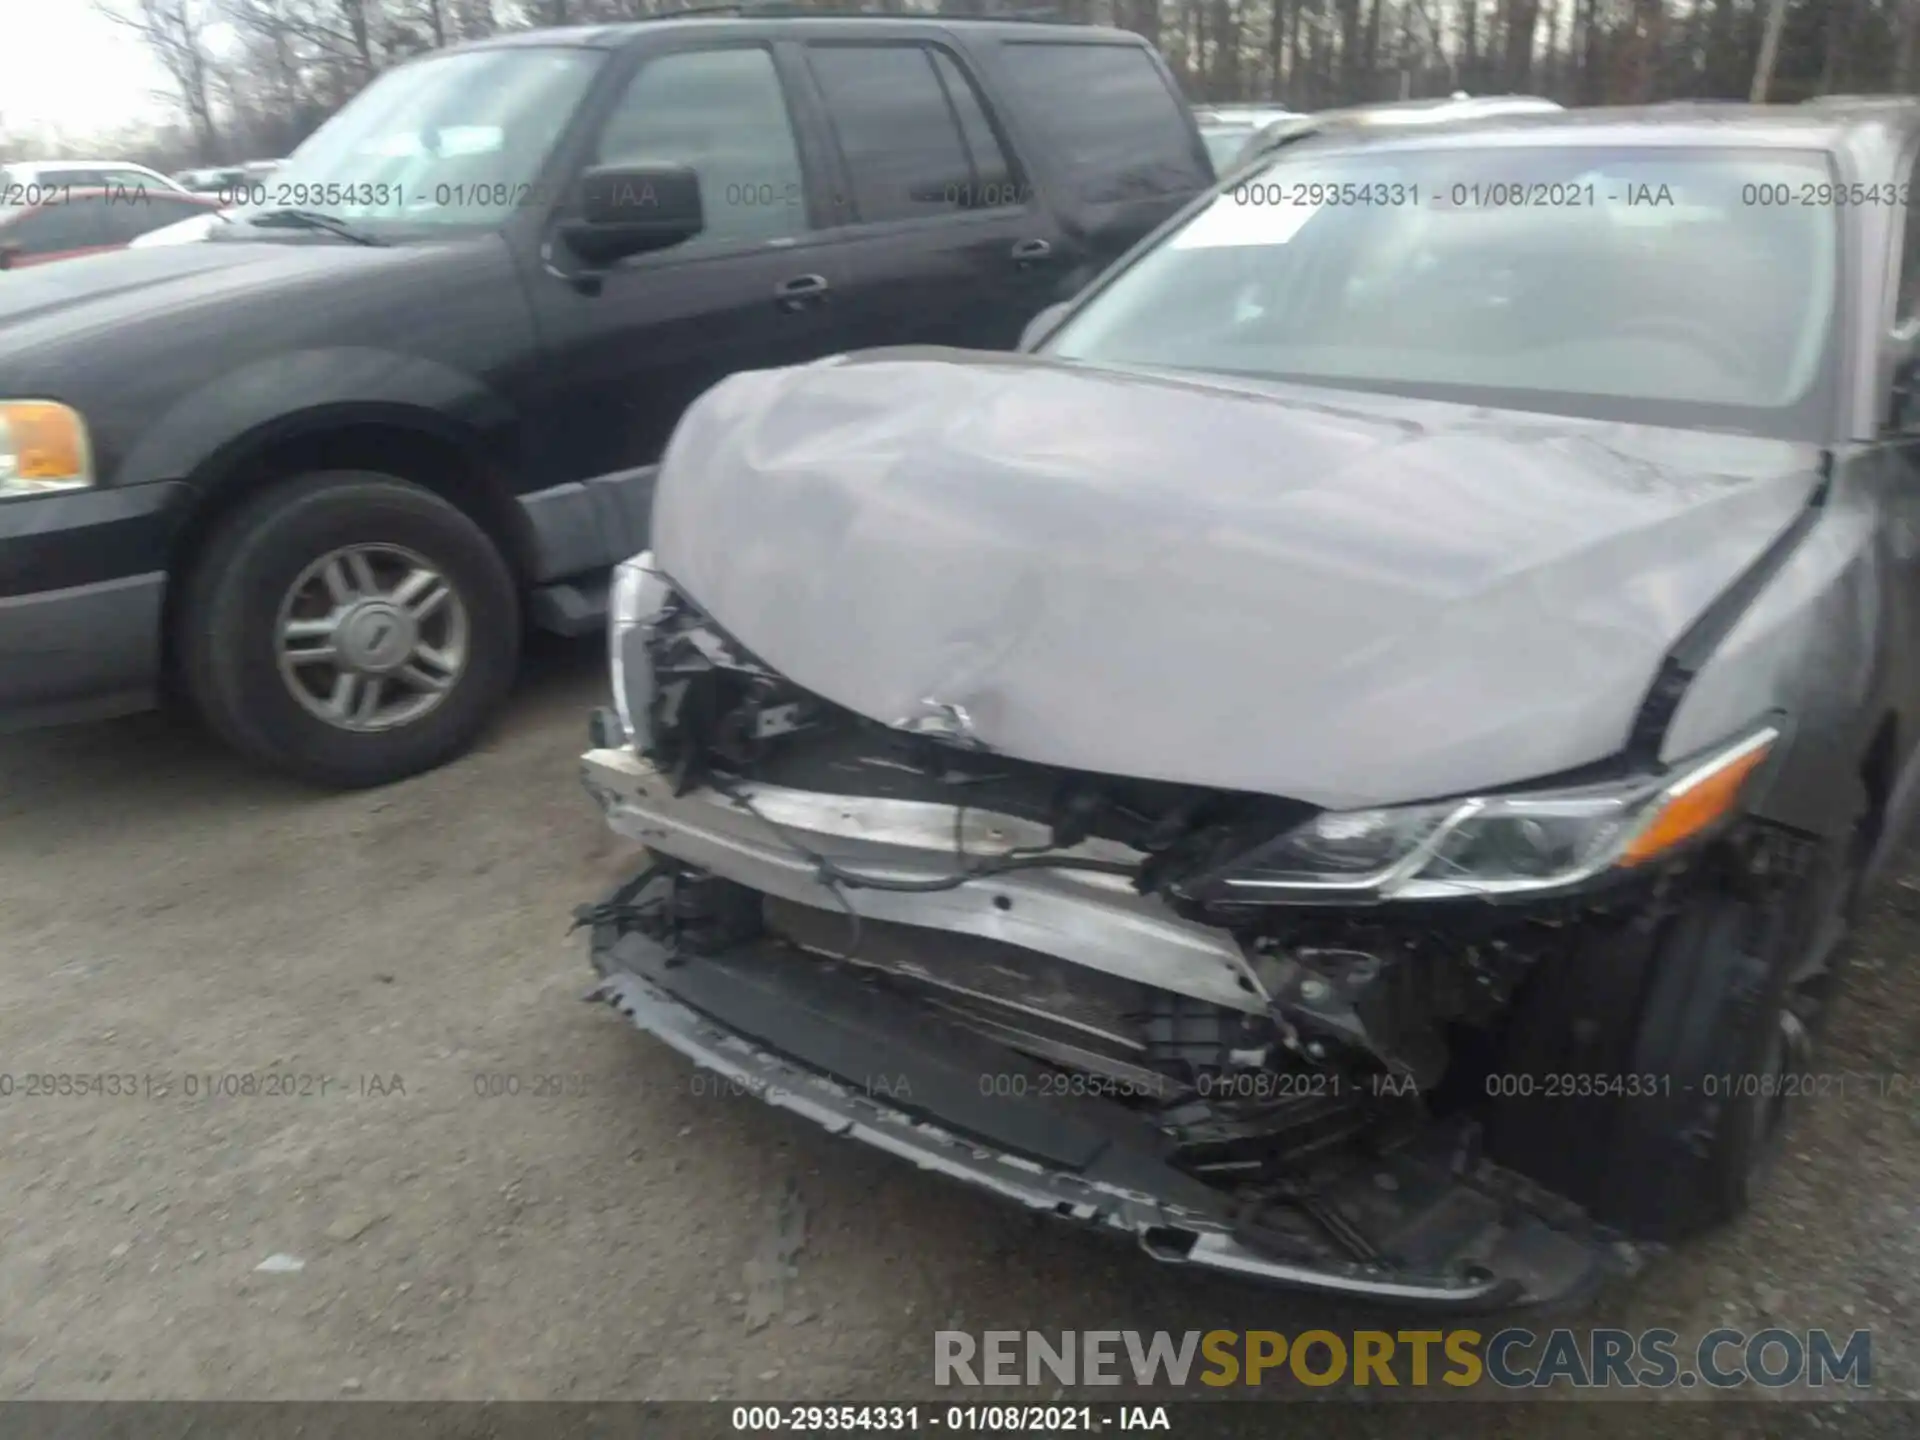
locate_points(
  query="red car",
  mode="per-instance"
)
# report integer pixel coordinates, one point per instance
(65, 223)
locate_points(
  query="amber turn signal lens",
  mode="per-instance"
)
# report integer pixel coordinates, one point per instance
(1698, 802)
(42, 443)
(47, 442)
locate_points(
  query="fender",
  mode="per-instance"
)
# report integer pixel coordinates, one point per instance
(1810, 643)
(207, 436)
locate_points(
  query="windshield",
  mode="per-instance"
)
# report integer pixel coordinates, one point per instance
(458, 140)
(1665, 286)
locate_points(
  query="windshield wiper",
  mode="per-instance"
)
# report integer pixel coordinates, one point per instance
(311, 220)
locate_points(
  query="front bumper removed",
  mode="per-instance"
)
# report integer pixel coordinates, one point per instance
(1444, 1228)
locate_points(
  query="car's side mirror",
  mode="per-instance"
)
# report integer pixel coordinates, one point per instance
(9, 253)
(1042, 325)
(623, 210)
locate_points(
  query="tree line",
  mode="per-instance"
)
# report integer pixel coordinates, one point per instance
(252, 78)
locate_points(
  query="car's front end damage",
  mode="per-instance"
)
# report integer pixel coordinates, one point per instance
(1252, 1025)
(1230, 1093)
(1048, 984)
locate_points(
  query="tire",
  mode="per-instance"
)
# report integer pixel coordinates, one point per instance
(1698, 1012)
(258, 575)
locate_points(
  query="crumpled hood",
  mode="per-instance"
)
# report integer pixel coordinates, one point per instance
(1344, 599)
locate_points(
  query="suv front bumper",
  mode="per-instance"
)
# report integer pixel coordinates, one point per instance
(82, 591)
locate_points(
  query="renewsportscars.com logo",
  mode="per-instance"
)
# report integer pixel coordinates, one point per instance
(1510, 1359)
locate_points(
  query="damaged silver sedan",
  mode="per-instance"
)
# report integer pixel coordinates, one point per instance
(1351, 760)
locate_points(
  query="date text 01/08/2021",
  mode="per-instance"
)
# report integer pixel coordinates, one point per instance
(195, 1085)
(1475, 195)
(1005, 1419)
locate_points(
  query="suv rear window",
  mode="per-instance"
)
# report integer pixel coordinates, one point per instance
(897, 128)
(1110, 116)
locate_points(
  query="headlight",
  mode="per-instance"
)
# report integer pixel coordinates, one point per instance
(1495, 844)
(638, 596)
(43, 448)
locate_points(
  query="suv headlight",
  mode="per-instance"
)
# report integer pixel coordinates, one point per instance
(43, 448)
(1495, 844)
(639, 594)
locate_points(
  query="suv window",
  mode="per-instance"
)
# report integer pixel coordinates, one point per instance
(1110, 117)
(72, 224)
(994, 182)
(455, 139)
(898, 130)
(724, 113)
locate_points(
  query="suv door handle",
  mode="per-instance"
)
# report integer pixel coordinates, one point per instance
(1025, 252)
(800, 292)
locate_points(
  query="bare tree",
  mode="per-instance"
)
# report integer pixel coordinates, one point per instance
(475, 18)
(1521, 18)
(433, 12)
(1276, 34)
(1769, 50)
(1908, 39)
(1370, 43)
(1835, 66)
(175, 32)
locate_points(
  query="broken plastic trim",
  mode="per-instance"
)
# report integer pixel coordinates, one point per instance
(637, 598)
(1083, 916)
(1167, 1234)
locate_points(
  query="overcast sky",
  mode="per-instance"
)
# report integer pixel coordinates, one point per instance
(70, 67)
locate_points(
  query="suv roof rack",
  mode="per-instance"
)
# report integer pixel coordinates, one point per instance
(795, 9)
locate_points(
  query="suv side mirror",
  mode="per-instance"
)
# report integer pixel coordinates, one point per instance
(627, 209)
(1041, 325)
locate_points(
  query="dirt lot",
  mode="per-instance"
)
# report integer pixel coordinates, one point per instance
(169, 916)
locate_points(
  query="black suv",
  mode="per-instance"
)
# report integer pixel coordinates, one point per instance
(316, 468)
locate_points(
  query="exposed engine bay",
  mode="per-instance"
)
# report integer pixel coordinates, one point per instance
(1307, 1073)
(1367, 998)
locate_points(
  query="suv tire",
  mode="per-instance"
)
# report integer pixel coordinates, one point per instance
(349, 629)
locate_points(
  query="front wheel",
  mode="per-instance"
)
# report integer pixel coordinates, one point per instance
(1651, 1077)
(350, 629)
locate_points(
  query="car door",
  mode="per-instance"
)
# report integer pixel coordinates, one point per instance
(128, 219)
(943, 239)
(627, 347)
(61, 230)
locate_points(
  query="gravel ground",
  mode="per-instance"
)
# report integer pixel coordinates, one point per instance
(614, 1229)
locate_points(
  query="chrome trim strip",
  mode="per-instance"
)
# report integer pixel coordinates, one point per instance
(919, 825)
(1089, 919)
(635, 598)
